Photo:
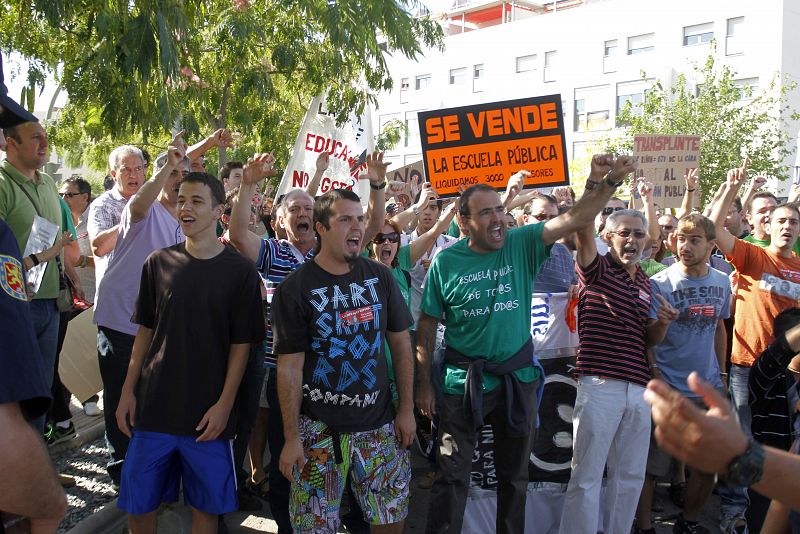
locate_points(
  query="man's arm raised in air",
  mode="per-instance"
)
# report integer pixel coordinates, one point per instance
(246, 242)
(582, 214)
(376, 205)
(323, 160)
(142, 201)
(725, 240)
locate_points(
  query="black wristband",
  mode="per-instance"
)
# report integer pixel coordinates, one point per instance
(378, 187)
(610, 182)
(590, 184)
(691, 190)
(34, 259)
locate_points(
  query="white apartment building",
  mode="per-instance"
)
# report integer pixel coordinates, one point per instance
(591, 52)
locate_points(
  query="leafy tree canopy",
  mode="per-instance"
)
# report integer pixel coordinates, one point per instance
(733, 120)
(134, 69)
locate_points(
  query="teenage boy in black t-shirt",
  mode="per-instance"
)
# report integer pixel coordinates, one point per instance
(330, 317)
(187, 362)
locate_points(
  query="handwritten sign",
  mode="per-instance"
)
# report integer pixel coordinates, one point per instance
(488, 143)
(347, 145)
(664, 159)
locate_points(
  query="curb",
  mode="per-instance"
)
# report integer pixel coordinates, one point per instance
(108, 519)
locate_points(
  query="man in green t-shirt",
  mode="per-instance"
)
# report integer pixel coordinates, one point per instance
(482, 287)
(27, 196)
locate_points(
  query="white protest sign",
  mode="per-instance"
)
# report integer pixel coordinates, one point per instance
(348, 146)
(663, 160)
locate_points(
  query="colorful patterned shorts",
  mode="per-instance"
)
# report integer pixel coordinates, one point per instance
(380, 473)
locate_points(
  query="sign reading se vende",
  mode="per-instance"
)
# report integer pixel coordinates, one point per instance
(488, 143)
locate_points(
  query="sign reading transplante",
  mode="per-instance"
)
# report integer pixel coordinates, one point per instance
(488, 143)
(348, 146)
(664, 159)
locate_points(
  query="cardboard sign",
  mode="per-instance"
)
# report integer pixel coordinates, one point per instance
(488, 143)
(348, 146)
(664, 159)
(78, 366)
(413, 175)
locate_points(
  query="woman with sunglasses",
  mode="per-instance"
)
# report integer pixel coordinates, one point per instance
(387, 250)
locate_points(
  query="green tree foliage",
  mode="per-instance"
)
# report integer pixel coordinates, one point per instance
(135, 69)
(733, 120)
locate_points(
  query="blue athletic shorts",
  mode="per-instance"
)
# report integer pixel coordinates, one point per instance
(156, 464)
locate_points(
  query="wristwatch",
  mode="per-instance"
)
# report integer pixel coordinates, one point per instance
(747, 468)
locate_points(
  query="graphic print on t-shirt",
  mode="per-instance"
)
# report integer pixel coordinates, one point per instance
(348, 342)
(699, 305)
(781, 287)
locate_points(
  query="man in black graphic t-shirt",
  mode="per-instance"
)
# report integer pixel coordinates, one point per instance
(331, 317)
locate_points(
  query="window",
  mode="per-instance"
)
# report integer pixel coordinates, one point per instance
(404, 87)
(591, 109)
(526, 63)
(610, 56)
(747, 87)
(639, 44)
(733, 36)
(477, 78)
(412, 129)
(422, 82)
(458, 76)
(549, 66)
(631, 93)
(698, 34)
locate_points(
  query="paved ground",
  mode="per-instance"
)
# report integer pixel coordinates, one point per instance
(92, 506)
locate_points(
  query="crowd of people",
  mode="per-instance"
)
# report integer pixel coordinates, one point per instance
(229, 323)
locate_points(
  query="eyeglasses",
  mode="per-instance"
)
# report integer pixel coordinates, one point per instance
(543, 217)
(609, 211)
(391, 237)
(625, 234)
(70, 195)
(668, 227)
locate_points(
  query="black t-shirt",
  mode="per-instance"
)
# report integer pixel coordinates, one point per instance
(340, 323)
(197, 310)
(22, 374)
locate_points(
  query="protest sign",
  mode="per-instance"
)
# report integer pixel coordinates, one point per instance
(488, 143)
(348, 146)
(663, 160)
(413, 176)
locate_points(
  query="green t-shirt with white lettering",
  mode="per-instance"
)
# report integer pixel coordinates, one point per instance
(486, 300)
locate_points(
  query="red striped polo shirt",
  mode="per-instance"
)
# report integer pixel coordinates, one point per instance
(612, 315)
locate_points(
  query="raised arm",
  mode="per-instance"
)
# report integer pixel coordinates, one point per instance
(725, 240)
(514, 187)
(147, 194)
(427, 240)
(323, 160)
(714, 200)
(376, 206)
(406, 217)
(645, 189)
(220, 138)
(755, 184)
(246, 242)
(692, 181)
(598, 191)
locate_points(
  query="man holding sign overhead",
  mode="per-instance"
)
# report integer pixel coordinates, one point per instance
(482, 285)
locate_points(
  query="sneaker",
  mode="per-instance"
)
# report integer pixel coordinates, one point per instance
(55, 434)
(733, 525)
(682, 526)
(91, 409)
(638, 530)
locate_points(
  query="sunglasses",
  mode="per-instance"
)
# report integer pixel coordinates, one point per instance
(638, 234)
(609, 211)
(69, 195)
(543, 217)
(391, 237)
